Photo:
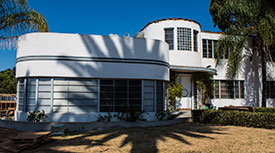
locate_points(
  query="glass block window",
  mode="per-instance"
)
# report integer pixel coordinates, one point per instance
(184, 39)
(229, 89)
(169, 37)
(120, 95)
(195, 40)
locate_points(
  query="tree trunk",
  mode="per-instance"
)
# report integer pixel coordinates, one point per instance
(263, 77)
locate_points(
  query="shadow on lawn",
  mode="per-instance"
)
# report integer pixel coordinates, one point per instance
(141, 139)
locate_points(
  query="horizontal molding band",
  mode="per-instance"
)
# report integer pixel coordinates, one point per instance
(92, 59)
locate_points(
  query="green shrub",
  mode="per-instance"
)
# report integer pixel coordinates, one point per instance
(174, 91)
(196, 114)
(36, 116)
(130, 116)
(237, 118)
(264, 109)
(104, 118)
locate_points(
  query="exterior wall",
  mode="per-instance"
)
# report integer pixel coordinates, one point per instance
(61, 73)
(91, 56)
(177, 57)
(250, 71)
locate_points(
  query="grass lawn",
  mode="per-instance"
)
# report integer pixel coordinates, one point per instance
(185, 137)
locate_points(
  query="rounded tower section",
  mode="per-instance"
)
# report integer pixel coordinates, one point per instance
(183, 38)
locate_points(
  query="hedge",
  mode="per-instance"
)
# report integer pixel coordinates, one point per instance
(237, 118)
(264, 109)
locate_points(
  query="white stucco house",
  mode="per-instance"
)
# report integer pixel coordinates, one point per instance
(76, 77)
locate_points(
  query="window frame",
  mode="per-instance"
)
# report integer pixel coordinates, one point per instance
(170, 44)
(237, 87)
(184, 39)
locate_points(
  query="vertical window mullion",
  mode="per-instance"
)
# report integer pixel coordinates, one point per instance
(219, 82)
(207, 49)
(239, 89)
(98, 95)
(25, 95)
(36, 92)
(114, 95)
(234, 95)
(52, 88)
(128, 95)
(142, 94)
(155, 96)
(213, 48)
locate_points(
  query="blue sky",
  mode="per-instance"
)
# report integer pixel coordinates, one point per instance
(103, 17)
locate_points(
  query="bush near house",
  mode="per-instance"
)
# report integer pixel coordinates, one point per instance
(237, 118)
(264, 109)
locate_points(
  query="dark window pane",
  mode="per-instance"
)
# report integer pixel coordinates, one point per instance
(237, 89)
(106, 82)
(169, 37)
(195, 40)
(204, 46)
(215, 44)
(210, 49)
(120, 95)
(217, 89)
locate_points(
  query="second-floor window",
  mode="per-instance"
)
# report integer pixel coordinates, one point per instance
(184, 38)
(208, 48)
(195, 40)
(169, 37)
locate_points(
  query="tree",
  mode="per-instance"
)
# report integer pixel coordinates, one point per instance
(240, 20)
(17, 18)
(8, 81)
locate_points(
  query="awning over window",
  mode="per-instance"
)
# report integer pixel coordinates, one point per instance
(192, 69)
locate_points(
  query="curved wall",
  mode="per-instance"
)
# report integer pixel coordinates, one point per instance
(155, 30)
(91, 56)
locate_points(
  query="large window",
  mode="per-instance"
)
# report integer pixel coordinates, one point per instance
(20, 94)
(184, 39)
(75, 95)
(169, 37)
(83, 95)
(195, 40)
(229, 89)
(208, 48)
(120, 95)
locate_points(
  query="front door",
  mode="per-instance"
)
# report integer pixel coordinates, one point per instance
(186, 99)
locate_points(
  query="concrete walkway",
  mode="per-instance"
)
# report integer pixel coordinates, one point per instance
(182, 116)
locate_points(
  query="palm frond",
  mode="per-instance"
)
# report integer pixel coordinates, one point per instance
(16, 18)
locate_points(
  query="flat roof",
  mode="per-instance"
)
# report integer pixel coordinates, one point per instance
(168, 19)
(212, 32)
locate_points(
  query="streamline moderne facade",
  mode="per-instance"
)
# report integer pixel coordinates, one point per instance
(77, 77)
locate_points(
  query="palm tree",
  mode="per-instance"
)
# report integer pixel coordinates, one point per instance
(17, 18)
(241, 20)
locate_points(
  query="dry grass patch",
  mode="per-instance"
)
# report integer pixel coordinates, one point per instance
(175, 138)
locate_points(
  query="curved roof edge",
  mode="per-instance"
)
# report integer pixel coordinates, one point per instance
(167, 19)
(193, 69)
